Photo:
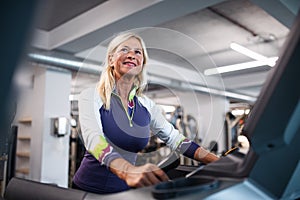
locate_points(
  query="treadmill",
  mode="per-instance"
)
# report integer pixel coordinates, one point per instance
(270, 169)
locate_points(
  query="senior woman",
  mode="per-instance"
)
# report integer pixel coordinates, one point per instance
(116, 120)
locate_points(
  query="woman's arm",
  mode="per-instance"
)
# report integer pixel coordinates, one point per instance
(95, 142)
(204, 156)
(137, 176)
(171, 136)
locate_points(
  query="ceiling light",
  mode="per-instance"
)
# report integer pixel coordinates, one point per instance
(247, 52)
(241, 66)
(260, 61)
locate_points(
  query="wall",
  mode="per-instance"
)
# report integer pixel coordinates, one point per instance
(44, 94)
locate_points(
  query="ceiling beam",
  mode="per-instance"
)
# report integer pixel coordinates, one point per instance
(279, 10)
(152, 15)
(95, 18)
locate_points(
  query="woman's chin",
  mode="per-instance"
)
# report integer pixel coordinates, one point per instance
(133, 71)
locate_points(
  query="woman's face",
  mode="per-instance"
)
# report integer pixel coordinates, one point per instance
(128, 58)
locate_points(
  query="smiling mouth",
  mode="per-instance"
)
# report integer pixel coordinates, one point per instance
(130, 64)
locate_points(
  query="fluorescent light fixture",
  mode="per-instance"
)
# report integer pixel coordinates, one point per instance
(241, 66)
(247, 52)
(260, 60)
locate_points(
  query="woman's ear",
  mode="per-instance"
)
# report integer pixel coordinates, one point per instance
(110, 60)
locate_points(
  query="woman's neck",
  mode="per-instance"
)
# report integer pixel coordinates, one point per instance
(124, 87)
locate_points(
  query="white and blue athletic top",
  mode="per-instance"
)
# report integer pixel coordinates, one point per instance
(120, 133)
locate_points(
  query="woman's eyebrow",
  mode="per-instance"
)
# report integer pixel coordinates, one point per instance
(131, 48)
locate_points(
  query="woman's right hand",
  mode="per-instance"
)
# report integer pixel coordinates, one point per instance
(145, 175)
(138, 176)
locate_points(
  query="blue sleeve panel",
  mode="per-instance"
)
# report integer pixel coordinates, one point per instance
(188, 148)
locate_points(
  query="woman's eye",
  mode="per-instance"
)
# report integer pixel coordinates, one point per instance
(139, 52)
(124, 50)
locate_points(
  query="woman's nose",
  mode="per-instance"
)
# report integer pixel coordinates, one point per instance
(131, 55)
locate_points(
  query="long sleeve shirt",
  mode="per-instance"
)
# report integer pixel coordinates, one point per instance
(118, 133)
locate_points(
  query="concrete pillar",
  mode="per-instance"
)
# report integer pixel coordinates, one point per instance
(47, 98)
(52, 88)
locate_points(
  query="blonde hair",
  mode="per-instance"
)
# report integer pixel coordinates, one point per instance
(107, 79)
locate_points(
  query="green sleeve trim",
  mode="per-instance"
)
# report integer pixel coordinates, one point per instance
(180, 141)
(102, 149)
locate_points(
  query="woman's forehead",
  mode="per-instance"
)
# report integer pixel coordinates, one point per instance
(132, 43)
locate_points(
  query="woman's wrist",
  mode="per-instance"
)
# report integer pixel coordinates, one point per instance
(120, 167)
(205, 156)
